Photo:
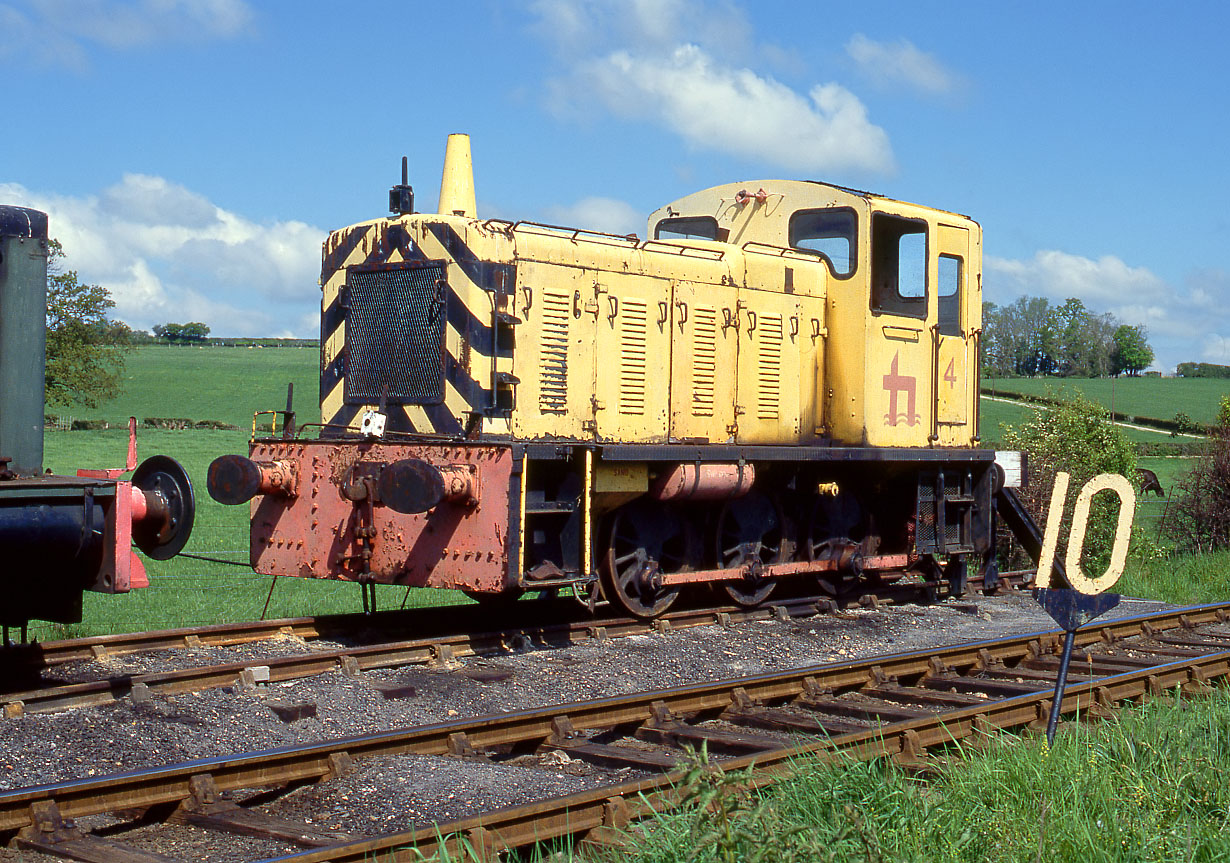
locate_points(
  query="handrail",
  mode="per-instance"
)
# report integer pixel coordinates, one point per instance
(577, 233)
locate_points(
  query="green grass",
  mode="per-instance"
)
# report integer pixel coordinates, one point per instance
(994, 415)
(211, 383)
(1169, 470)
(1159, 398)
(1146, 786)
(1183, 580)
(997, 413)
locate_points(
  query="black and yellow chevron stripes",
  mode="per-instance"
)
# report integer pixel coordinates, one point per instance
(470, 343)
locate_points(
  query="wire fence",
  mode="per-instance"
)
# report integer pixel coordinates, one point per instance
(1151, 513)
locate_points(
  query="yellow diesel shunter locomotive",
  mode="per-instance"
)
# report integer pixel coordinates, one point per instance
(780, 382)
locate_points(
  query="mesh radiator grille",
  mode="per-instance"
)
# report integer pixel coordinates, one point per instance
(395, 335)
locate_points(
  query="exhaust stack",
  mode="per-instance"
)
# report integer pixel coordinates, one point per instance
(457, 184)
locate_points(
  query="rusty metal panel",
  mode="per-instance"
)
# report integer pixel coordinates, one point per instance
(316, 534)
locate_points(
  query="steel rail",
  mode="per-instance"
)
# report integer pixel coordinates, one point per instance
(47, 654)
(353, 660)
(613, 807)
(51, 653)
(305, 763)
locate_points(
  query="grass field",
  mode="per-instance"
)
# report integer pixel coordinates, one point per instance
(996, 412)
(211, 383)
(1159, 398)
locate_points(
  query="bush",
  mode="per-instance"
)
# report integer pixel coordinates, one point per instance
(1073, 435)
(1183, 424)
(1199, 516)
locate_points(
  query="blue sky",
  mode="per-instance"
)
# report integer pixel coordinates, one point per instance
(193, 153)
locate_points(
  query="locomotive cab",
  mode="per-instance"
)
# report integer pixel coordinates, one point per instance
(904, 299)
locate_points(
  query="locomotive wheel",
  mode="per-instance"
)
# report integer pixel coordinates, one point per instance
(644, 539)
(833, 520)
(750, 529)
(832, 581)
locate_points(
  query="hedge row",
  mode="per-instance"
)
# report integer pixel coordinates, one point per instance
(234, 343)
(50, 421)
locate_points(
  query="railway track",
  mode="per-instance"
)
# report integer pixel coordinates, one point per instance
(897, 705)
(448, 633)
(35, 656)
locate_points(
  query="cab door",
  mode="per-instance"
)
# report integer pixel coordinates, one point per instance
(953, 337)
(704, 352)
(632, 357)
(900, 404)
(767, 379)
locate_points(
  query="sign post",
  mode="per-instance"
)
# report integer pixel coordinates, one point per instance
(1073, 607)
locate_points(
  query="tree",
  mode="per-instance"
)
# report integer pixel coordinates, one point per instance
(1198, 515)
(193, 331)
(85, 350)
(1131, 352)
(1016, 339)
(1032, 337)
(1082, 340)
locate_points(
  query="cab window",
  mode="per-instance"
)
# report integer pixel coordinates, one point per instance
(949, 290)
(898, 265)
(688, 228)
(832, 233)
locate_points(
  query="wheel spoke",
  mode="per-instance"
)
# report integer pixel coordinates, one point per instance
(749, 530)
(641, 535)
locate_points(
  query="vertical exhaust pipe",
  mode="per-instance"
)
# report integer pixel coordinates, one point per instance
(457, 184)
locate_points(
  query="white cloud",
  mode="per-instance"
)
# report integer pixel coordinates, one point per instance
(599, 214)
(1107, 281)
(585, 28)
(57, 32)
(167, 253)
(22, 37)
(689, 66)
(1183, 323)
(734, 110)
(899, 63)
